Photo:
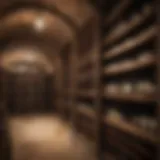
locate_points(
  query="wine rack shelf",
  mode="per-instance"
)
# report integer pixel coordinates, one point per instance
(129, 57)
(87, 111)
(138, 98)
(124, 28)
(130, 129)
(117, 11)
(132, 43)
(130, 68)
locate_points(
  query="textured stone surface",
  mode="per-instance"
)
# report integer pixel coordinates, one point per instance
(47, 137)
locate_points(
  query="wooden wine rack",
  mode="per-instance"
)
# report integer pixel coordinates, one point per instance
(128, 30)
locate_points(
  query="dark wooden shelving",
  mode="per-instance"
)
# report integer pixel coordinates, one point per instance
(128, 27)
(117, 12)
(87, 61)
(126, 48)
(119, 144)
(131, 129)
(127, 59)
(86, 94)
(84, 79)
(132, 144)
(85, 74)
(86, 64)
(139, 98)
(87, 111)
(88, 82)
(109, 156)
(130, 68)
(132, 43)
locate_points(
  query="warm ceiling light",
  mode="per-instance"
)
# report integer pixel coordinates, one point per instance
(39, 24)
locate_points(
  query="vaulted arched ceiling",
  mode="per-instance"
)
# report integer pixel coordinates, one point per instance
(37, 29)
(27, 55)
(36, 25)
(49, 25)
(75, 11)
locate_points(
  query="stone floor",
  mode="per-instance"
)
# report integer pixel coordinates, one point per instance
(46, 137)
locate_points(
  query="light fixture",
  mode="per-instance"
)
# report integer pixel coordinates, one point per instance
(39, 24)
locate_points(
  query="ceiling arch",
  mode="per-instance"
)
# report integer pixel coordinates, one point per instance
(20, 58)
(39, 24)
(74, 12)
(21, 23)
(36, 29)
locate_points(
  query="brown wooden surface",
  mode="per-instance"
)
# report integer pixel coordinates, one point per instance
(127, 46)
(124, 44)
(87, 111)
(133, 67)
(133, 97)
(131, 129)
(130, 26)
(117, 12)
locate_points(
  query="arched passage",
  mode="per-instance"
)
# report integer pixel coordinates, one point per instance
(34, 37)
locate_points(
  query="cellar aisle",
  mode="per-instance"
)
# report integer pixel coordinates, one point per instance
(46, 137)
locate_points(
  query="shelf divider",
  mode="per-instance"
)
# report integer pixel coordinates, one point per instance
(138, 98)
(132, 43)
(134, 67)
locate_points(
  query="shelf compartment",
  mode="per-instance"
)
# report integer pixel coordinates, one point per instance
(134, 144)
(130, 129)
(85, 79)
(130, 68)
(87, 61)
(125, 28)
(89, 75)
(123, 142)
(87, 94)
(138, 98)
(118, 144)
(130, 44)
(87, 131)
(87, 112)
(117, 12)
(109, 156)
